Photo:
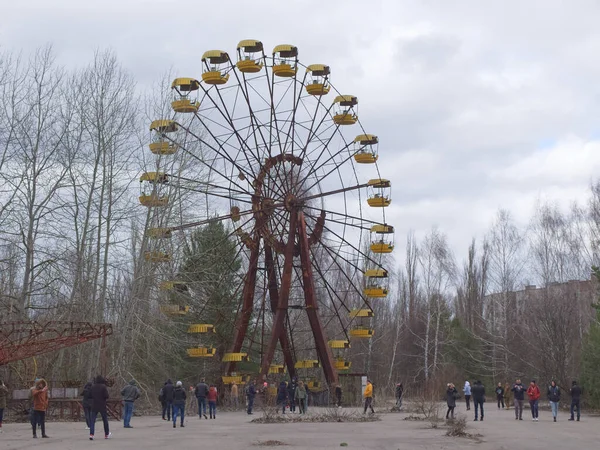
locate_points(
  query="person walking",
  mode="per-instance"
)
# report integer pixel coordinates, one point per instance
(368, 396)
(161, 399)
(201, 393)
(282, 395)
(575, 400)
(292, 386)
(235, 399)
(554, 398)
(87, 403)
(478, 393)
(3, 401)
(399, 394)
(99, 398)
(500, 395)
(179, 397)
(40, 406)
(518, 391)
(533, 392)
(338, 395)
(507, 395)
(301, 397)
(130, 394)
(467, 392)
(250, 394)
(451, 395)
(212, 401)
(167, 390)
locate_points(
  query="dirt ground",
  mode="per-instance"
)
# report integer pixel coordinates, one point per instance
(233, 431)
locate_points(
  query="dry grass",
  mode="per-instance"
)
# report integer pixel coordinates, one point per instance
(458, 428)
(270, 443)
(329, 416)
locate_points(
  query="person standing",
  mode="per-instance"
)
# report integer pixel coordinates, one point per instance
(3, 401)
(507, 395)
(167, 391)
(554, 398)
(292, 394)
(368, 396)
(399, 394)
(282, 395)
(179, 397)
(301, 397)
(478, 393)
(40, 406)
(575, 400)
(533, 392)
(130, 394)
(338, 395)
(500, 395)
(467, 392)
(250, 394)
(87, 403)
(212, 401)
(99, 398)
(518, 391)
(201, 393)
(235, 399)
(451, 395)
(161, 399)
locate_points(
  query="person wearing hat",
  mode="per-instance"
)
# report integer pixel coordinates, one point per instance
(368, 395)
(130, 394)
(533, 392)
(179, 397)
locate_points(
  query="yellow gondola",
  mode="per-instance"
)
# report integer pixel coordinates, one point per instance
(375, 291)
(339, 344)
(157, 256)
(163, 126)
(318, 83)
(379, 195)
(307, 364)
(285, 60)
(178, 286)
(238, 379)
(174, 310)
(235, 357)
(154, 177)
(215, 64)
(342, 364)
(365, 146)
(159, 233)
(362, 332)
(250, 56)
(235, 213)
(201, 328)
(154, 200)
(276, 369)
(313, 385)
(360, 313)
(380, 240)
(160, 146)
(201, 352)
(184, 87)
(344, 107)
(376, 273)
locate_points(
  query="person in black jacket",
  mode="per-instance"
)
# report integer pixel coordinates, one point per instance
(519, 391)
(338, 395)
(292, 386)
(478, 392)
(575, 400)
(99, 394)
(167, 391)
(282, 395)
(201, 393)
(179, 397)
(399, 394)
(500, 395)
(87, 403)
(554, 398)
(250, 393)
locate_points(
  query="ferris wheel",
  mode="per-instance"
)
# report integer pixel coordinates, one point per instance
(294, 176)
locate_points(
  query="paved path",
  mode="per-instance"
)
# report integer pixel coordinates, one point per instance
(233, 431)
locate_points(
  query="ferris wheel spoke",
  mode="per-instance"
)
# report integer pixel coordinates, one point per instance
(335, 168)
(334, 192)
(360, 219)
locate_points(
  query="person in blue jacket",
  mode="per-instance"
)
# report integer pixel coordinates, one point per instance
(467, 391)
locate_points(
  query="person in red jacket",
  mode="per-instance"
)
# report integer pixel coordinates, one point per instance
(533, 392)
(212, 401)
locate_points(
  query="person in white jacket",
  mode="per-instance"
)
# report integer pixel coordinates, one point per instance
(467, 391)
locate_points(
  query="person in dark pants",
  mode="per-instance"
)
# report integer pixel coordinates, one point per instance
(168, 389)
(368, 396)
(399, 394)
(250, 394)
(87, 403)
(533, 392)
(519, 392)
(201, 393)
(292, 394)
(99, 398)
(478, 392)
(500, 395)
(212, 401)
(161, 399)
(3, 401)
(130, 394)
(451, 395)
(282, 396)
(575, 400)
(179, 397)
(467, 391)
(40, 406)
(338, 395)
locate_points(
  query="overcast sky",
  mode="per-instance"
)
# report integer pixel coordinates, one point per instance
(478, 104)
